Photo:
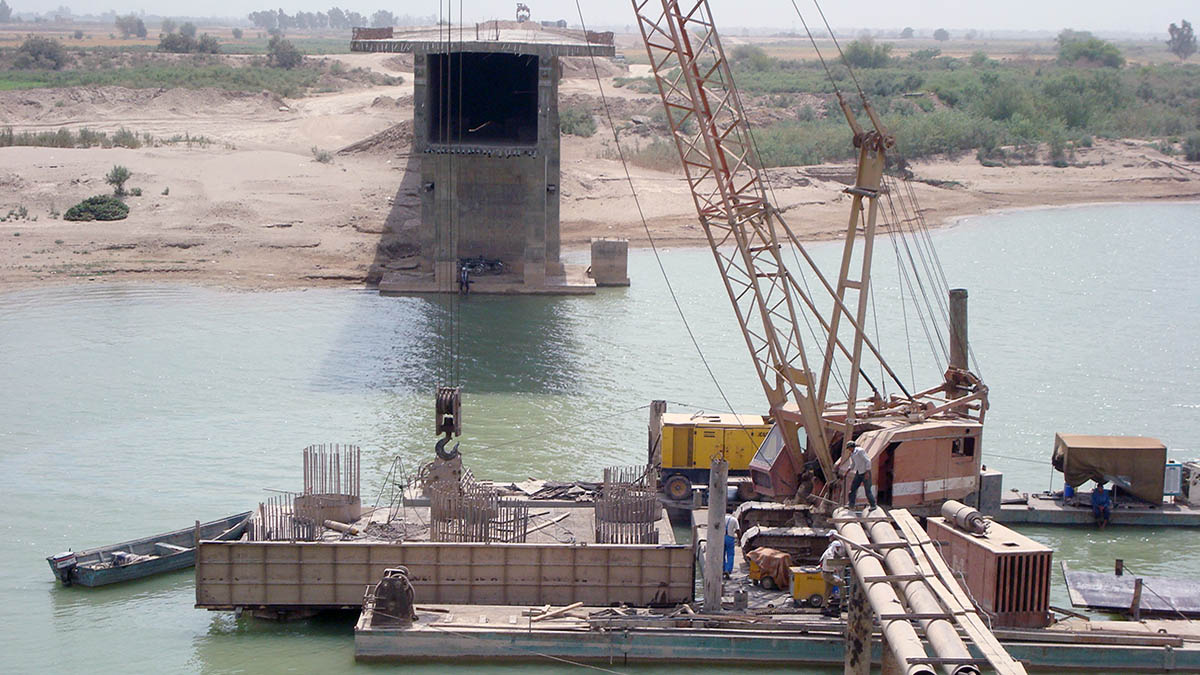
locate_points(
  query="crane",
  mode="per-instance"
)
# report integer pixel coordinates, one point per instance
(748, 237)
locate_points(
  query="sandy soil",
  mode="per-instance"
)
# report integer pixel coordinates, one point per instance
(254, 210)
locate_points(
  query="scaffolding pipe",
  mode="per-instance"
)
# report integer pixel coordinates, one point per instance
(941, 632)
(900, 636)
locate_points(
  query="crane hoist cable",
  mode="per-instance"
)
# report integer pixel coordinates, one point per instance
(922, 241)
(646, 226)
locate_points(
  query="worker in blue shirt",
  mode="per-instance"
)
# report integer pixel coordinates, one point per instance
(1101, 505)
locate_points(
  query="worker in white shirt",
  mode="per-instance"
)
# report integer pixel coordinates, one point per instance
(732, 529)
(861, 465)
(833, 561)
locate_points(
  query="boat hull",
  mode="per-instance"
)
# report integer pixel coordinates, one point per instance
(90, 569)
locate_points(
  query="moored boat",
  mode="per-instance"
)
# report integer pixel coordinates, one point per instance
(142, 557)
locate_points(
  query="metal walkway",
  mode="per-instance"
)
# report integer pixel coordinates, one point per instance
(906, 585)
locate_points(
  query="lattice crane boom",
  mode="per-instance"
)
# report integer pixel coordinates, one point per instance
(708, 124)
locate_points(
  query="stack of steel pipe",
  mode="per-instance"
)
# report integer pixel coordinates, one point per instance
(900, 636)
(940, 630)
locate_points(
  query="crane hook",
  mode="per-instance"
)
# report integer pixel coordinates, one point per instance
(440, 449)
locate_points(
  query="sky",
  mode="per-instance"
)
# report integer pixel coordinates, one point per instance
(1149, 16)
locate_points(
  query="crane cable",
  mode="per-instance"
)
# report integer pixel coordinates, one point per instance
(944, 288)
(646, 226)
(922, 238)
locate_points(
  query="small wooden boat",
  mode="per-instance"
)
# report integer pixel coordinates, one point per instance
(142, 557)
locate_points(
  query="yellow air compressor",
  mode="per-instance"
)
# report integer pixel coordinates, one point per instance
(690, 442)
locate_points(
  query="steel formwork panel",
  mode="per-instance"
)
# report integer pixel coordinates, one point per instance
(284, 575)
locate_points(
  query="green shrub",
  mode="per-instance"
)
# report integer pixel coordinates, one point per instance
(322, 156)
(660, 155)
(40, 53)
(1090, 50)
(577, 121)
(753, 57)
(283, 54)
(865, 53)
(124, 138)
(1191, 148)
(803, 143)
(100, 207)
(116, 177)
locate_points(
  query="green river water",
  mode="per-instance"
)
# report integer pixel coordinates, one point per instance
(130, 409)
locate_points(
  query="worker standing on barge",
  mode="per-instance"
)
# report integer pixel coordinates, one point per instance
(861, 465)
(731, 532)
(833, 562)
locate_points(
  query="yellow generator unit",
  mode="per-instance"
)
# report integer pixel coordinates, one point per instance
(808, 586)
(690, 442)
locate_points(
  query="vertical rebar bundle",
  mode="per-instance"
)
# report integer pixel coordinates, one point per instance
(628, 475)
(477, 514)
(276, 520)
(331, 470)
(627, 508)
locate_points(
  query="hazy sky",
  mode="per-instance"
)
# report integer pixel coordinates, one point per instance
(1149, 16)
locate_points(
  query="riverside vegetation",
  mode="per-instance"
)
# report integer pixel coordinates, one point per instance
(181, 60)
(1004, 111)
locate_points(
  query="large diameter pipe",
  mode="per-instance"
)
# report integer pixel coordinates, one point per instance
(958, 328)
(942, 633)
(714, 553)
(964, 517)
(900, 636)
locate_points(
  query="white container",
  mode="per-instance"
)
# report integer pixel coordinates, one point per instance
(1173, 480)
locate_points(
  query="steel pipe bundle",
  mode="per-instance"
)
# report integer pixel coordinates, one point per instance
(900, 635)
(942, 633)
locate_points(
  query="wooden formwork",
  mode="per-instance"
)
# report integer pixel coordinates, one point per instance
(328, 575)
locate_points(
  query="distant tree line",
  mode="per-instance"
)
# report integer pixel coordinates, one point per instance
(278, 20)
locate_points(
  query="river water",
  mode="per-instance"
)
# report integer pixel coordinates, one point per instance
(131, 409)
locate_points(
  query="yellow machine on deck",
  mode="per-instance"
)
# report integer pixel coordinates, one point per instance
(808, 586)
(690, 442)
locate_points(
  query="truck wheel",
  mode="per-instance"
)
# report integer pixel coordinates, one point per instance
(816, 600)
(678, 487)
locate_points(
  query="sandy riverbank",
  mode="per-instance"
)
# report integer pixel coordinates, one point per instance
(253, 209)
